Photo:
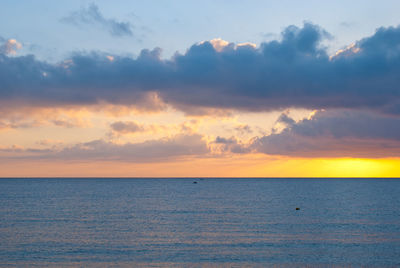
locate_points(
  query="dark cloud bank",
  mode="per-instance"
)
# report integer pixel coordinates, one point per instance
(360, 88)
(292, 72)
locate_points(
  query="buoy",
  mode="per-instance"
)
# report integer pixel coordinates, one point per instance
(297, 208)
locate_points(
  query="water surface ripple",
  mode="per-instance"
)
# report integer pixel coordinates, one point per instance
(216, 222)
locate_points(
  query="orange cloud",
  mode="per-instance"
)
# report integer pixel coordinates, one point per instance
(11, 46)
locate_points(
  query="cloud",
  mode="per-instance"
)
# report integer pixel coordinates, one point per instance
(120, 128)
(127, 127)
(244, 129)
(218, 44)
(295, 71)
(340, 133)
(166, 149)
(285, 119)
(222, 140)
(47, 142)
(29, 152)
(230, 145)
(7, 125)
(26, 117)
(92, 16)
(148, 151)
(10, 46)
(347, 24)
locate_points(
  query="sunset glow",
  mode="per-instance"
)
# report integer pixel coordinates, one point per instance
(301, 99)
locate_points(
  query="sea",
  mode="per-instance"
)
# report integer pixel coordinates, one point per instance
(199, 222)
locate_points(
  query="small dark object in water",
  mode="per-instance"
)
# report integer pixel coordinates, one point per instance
(195, 182)
(297, 208)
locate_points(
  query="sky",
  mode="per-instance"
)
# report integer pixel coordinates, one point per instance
(199, 89)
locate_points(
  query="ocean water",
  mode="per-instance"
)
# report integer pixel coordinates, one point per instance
(213, 223)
